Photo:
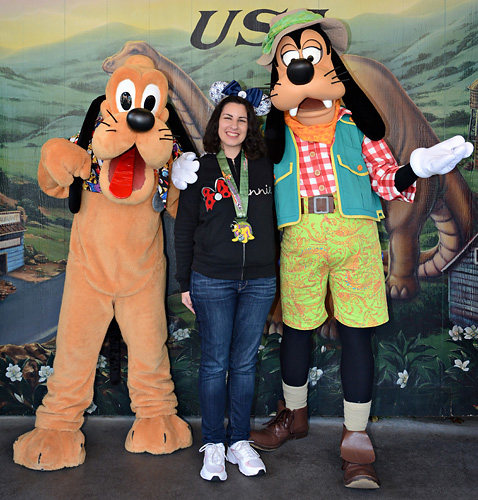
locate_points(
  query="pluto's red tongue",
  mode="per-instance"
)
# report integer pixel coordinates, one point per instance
(121, 185)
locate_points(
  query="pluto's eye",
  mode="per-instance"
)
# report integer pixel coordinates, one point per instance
(289, 56)
(125, 100)
(125, 94)
(312, 54)
(151, 98)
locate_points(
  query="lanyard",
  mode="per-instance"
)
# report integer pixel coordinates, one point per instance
(240, 197)
(240, 228)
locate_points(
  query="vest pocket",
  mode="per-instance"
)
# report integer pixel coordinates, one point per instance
(359, 169)
(281, 172)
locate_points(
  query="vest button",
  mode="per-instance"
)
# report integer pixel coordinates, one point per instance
(359, 168)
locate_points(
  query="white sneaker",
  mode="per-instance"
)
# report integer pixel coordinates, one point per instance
(214, 467)
(249, 461)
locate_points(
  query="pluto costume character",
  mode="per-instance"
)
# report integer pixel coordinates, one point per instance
(331, 166)
(116, 267)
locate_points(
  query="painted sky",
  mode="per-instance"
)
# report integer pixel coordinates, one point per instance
(26, 23)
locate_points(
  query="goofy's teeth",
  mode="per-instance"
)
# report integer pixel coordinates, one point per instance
(327, 104)
(293, 112)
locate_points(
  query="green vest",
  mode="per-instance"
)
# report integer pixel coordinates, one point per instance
(354, 192)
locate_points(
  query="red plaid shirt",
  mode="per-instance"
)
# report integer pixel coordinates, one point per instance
(317, 175)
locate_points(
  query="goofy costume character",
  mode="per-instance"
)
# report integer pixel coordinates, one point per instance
(332, 166)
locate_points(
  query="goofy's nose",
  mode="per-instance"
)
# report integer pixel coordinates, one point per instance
(300, 71)
(140, 119)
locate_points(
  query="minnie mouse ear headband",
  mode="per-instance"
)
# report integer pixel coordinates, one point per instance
(260, 102)
(294, 20)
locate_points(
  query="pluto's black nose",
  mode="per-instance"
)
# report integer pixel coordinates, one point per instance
(140, 119)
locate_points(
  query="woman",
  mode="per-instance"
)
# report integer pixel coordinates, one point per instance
(225, 252)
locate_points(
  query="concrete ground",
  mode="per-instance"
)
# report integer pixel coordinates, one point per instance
(426, 459)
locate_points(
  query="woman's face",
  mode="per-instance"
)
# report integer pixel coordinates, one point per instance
(232, 128)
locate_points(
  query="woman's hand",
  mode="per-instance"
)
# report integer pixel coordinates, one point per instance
(186, 300)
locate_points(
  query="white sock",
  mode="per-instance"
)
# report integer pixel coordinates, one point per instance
(295, 397)
(356, 415)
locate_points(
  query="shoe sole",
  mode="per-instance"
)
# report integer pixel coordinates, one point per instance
(260, 473)
(363, 483)
(258, 446)
(213, 479)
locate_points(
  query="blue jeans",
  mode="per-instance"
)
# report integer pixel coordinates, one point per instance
(231, 315)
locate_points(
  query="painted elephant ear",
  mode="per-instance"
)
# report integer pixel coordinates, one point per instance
(364, 113)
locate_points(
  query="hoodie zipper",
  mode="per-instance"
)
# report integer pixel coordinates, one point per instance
(243, 260)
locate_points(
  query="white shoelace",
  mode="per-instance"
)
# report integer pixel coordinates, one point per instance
(245, 449)
(215, 452)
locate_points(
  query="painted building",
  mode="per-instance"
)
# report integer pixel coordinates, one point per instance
(11, 241)
(463, 285)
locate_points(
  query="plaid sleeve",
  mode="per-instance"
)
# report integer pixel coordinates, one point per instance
(382, 167)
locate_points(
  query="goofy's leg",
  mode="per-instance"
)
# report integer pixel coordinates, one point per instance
(357, 371)
(291, 420)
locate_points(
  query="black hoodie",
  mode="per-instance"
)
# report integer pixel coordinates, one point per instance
(203, 235)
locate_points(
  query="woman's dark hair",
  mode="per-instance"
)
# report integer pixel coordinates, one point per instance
(253, 145)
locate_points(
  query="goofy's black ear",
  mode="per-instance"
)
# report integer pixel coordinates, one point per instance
(364, 113)
(274, 134)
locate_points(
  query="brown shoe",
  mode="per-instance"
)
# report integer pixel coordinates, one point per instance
(358, 456)
(287, 424)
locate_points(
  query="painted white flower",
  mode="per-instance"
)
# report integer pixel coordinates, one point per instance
(181, 334)
(315, 374)
(323, 348)
(19, 398)
(14, 373)
(471, 332)
(101, 362)
(91, 408)
(402, 379)
(44, 373)
(462, 365)
(455, 333)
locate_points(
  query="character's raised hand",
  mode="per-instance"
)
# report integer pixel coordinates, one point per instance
(184, 170)
(441, 158)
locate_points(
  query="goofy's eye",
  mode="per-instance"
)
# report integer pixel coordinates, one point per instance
(151, 98)
(312, 54)
(289, 56)
(125, 94)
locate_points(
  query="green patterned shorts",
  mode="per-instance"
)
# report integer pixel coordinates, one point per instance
(345, 252)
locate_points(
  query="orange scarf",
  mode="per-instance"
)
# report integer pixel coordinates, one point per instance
(322, 132)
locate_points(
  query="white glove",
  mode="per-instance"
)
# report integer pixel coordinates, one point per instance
(183, 170)
(441, 158)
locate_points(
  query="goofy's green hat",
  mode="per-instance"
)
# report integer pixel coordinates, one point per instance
(294, 20)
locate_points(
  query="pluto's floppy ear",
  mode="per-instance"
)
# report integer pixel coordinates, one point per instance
(364, 113)
(84, 138)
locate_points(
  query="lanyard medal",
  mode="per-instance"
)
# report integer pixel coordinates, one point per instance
(241, 229)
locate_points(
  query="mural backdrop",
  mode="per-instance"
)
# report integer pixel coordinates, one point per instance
(418, 60)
